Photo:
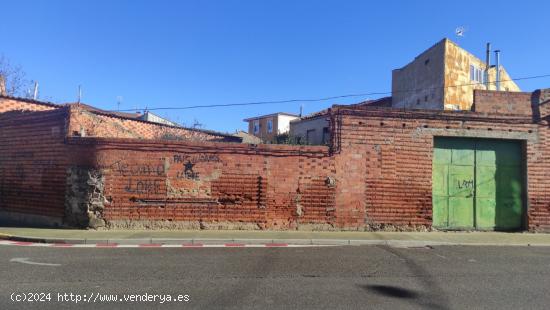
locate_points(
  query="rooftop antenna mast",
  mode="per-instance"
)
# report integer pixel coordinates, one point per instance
(118, 102)
(35, 94)
(79, 93)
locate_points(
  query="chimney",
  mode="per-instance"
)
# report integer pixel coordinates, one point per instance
(487, 65)
(3, 86)
(497, 67)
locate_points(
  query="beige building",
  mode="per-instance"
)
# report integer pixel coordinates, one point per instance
(267, 127)
(444, 77)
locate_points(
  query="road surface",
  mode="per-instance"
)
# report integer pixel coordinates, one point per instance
(341, 277)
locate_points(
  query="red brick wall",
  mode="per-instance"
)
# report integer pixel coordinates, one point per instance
(86, 123)
(18, 104)
(33, 162)
(502, 102)
(216, 184)
(378, 174)
(396, 150)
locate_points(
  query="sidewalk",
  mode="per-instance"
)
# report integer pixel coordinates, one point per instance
(405, 239)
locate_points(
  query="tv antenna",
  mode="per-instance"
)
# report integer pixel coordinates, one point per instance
(460, 31)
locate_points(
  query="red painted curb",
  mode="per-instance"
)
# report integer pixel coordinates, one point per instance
(22, 243)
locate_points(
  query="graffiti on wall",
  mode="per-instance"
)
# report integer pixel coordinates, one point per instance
(154, 179)
(195, 158)
(143, 186)
(128, 170)
(188, 172)
(462, 184)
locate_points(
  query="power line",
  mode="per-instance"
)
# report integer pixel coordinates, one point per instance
(332, 97)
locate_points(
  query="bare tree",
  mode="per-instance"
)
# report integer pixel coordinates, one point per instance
(12, 79)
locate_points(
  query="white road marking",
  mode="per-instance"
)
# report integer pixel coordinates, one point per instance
(25, 260)
(156, 246)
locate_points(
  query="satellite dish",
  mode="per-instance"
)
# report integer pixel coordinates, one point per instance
(460, 31)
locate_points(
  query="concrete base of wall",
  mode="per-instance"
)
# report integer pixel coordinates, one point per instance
(22, 219)
(179, 225)
(198, 225)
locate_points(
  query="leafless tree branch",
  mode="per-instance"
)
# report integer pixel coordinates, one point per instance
(15, 79)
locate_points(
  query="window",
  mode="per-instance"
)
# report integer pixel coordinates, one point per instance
(477, 74)
(256, 126)
(326, 135)
(270, 125)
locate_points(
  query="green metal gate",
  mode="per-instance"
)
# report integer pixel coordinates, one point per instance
(477, 184)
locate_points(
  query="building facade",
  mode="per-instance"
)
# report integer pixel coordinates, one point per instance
(384, 168)
(314, 129)
(444, 77)
(267, 127)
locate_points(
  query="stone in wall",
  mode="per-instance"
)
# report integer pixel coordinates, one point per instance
(84, 199)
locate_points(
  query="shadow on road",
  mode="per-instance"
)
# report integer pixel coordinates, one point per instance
(391, 291)
(431, 297)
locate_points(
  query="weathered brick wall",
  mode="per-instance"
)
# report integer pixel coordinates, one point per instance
(378, 173)
(158, 184)
(393, 149)
(501, 102)
(86, 123)
(18, 104)
(32, 165)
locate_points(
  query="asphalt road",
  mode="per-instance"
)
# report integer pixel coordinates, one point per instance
(349, 277)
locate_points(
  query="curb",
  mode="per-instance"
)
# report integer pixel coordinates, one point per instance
(235, 242)
(5, 236)
(148, 245)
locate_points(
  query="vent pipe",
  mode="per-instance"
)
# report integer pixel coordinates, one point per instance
(497, 67)
(487, 65)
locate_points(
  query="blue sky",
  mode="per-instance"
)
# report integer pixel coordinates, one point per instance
(181, 53)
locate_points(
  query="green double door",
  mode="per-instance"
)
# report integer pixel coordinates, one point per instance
(477, 184)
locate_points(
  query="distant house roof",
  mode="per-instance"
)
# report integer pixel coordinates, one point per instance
(381, 102)
(148, 116)
(37, 102)
(268, 115)
(120, 115)
(94, 109)
(248, 138)
(136, 117)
